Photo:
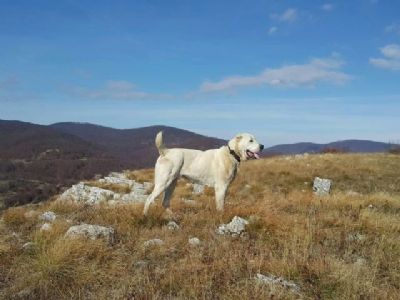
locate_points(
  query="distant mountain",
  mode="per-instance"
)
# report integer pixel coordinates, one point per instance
(136, 146)
(343, 146)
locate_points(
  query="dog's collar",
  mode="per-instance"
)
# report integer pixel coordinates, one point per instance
(233, 153)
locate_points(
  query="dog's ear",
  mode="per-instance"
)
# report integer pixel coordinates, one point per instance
(234, 143)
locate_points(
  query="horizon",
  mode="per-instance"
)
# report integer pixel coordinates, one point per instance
(285, 72)
(227, 138)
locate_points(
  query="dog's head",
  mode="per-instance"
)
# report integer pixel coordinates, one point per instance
(246, 146)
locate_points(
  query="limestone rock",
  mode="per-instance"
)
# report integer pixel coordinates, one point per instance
(172, 225)
(194, 241)
(92, 232)
(274, 280)
(86, 194)
(45, 227)
(48, 216)
(322, 186)
(153, 242)
(235, 227)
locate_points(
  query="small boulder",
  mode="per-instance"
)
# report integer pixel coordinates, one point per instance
(194, 241)
(172, 225)
(234, 228)
(45, 227)
(29, 247)
(92, 232)
(48, 216)
(275, 280)
(322, 186)
(153, 242)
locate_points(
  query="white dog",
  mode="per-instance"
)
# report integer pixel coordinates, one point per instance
(215, 167)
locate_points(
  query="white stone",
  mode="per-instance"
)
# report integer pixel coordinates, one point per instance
(274, 280)
(48, 216)
(235, 227)
(194, 241)
(355, 237)
(172, 225)
(82, 193)
(153, 242)
(45, 227)
(92, 232)
(321, 186)
(370, 206)
(29, 246)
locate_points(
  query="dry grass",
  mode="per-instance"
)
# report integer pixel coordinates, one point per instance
(335, 247)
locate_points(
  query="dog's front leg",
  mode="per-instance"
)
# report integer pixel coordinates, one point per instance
(220, 193)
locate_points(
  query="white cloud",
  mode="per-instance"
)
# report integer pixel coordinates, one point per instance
(390, 59)
(272, 30)
(116, 90)
(298, 75)
(289, 16)
(327, 6)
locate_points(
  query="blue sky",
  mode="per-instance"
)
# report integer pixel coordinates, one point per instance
(287, 71)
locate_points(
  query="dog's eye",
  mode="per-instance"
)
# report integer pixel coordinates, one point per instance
(251, 141)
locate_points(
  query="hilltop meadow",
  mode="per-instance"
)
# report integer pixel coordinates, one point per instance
(342, 246)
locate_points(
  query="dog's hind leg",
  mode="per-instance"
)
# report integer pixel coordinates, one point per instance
(168, 193)
(165, 173)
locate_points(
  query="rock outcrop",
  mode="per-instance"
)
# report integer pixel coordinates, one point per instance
(84, 193)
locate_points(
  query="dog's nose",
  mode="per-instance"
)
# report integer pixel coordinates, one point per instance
(261, 146)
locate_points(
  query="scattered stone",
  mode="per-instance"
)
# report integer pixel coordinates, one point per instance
(48, 216)
(275, 280)
(29, 246)
(355, 237)
(172, 225)
(92, 232)
(198, 188)
(153, 242)
(360, 261)
(321, 186)
(45, 227)
(194, 241)
(234, 228)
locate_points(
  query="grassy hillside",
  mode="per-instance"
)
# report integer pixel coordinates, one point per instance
(343, 246)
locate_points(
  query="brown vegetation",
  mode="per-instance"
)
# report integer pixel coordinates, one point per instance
(343, 246)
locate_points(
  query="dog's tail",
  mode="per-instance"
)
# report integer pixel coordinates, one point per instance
(159, 143)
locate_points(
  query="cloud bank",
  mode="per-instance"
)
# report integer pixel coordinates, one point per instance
(298, 75)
